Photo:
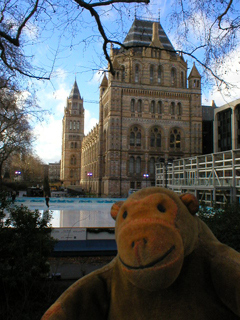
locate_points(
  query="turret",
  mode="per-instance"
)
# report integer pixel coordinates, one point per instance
(194, 79)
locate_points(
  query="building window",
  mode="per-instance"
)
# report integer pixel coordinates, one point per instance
(224, 130)
(73, 160)
(151, 74)
(132, 139)
(72, 145)
(155, 138)
(159, 140)
(159, 107)
(152, 110)
(160, 73)
(173, 77)
(132, 105)
(152, 140)
(172, 108)
(152, 166)
(74, 125)
(123, 73)
(137, 73)
(138, 165)
(75, 145)
(135, 136)
(179, 109)
(131, 165)
(132, 185)
(139, 106)
(138, 139)
(78, 125)
(70, 125)
(139, 184)
(71, 173)
(175, 139)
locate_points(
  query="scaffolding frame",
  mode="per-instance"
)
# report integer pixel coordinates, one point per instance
(214, 178)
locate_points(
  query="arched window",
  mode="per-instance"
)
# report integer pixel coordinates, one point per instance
(74, 125)
(123, 73)
(179, 109)
(135, 136)
(152, 140)
(159, 107)
(173, 77)
(72, 145)
(178, 141)
(155, 138)
(138, 139)
(132, 105)
(172, 140)
(172, 108)
(139, 106)
(175, 139)
(136, 73)
(151, 74)
(132, 139)
(159, 139)
(152, 166)
(152, 106)
(138, 165)
(73, 160)
(160, 73)
(131, 165)
(70, 125)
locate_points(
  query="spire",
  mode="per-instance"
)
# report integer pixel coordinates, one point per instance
(75, 94)
(104, 82)
(194, 72)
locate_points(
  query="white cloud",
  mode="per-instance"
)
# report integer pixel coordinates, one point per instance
(89, 122)
(49, 140)
(31, 31)
(230, 72)
(97, 78)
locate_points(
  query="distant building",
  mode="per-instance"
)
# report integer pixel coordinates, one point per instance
(207, 128)
(54, 171)
(227, 127)
(150, 111)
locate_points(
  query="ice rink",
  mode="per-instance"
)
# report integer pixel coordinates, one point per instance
(74, 212)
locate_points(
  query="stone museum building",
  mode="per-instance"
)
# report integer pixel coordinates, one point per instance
(149, 111)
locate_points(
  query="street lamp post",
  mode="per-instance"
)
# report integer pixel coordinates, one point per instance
(146, 175)
(89, 174)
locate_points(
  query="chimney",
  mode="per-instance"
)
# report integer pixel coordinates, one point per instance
(155, 36)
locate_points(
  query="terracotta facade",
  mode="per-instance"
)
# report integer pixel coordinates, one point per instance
(149, 111)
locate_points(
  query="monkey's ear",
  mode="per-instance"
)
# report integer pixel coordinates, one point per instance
(191, 202)
(115, 208)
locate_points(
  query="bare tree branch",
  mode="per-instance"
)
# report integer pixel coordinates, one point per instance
(223, 14)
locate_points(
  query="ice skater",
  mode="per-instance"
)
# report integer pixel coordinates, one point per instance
(47, 200)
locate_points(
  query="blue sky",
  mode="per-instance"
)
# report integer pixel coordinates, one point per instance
(84, 61)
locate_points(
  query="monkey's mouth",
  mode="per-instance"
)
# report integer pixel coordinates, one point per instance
(151, 264)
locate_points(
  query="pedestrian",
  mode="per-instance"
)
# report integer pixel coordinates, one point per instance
(13, 196)
(47, 200)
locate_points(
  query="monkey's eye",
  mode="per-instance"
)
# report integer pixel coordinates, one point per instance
(124, 214)
(161, 208)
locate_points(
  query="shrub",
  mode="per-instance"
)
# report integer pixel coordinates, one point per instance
(26, 244)
(224, 223)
